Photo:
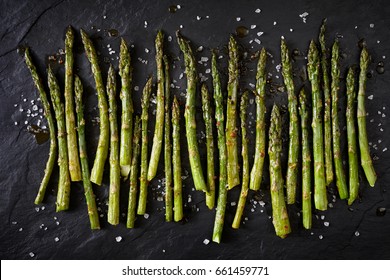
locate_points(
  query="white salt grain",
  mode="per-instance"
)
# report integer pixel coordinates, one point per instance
(206, 242)
(260, 33)
(320, 237)
(275, 22)
(146, 50)
(31, 254)
(56, 239)
(146, 216)
(371, 97)
(257, 11)
(384, 150)
(238, 19)
(357, 233)
(253, 26)
(198, 18)
(233, 203)
(118, 238)
(326, 224)
(372, 25)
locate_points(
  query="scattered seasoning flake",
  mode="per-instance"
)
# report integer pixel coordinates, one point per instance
(14, 223)
(178, 6)
(291, 30)
(257, 11)
(326, 224)
(257, 41)
(146, 50)
(146, 216)
(322, 217)
(199, 49)
(56, 239)
(163, 250)
(238, 19)
(118, 239)
(384, 150)
(357, 233)
(233, 203)
(355, 26)
(372, 25)
(198, 18)
(31, 254)
(206, 241)
(371, 97)
(181, 26)
(275, 22)
(169, 38)
(136, 88)
(378, 42)
(21, 229)
(37, 209)
(251, 85)
(321, 237)
(253, 26)
(207, 71)
(260, 33)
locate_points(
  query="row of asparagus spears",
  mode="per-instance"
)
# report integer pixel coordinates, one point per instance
(127, 147)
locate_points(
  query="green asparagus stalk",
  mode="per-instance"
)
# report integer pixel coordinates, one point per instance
(306, 162)
(64, 178)
(320, 197)
(144, 148)
(134, 174)
(159, 128)
(279, 209)
(257, 169)
(293, 145)
(220, 120)
(88, 191)
(189, 114)
(115, 175)
(177, 184)
(245, 162)
(351, 133)
(102, 149)
(207, 117)
(341, 182)
(231, 117)
(327, 107)
(74, 162)
(365, 156)
(52, 130)
(168, 145)
(125, 71)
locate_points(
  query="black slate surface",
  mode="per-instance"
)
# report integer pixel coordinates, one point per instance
(28, 231)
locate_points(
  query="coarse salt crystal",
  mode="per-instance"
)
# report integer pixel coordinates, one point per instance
(260, 33)
(181, 26)
(21, 229)
(238, 19)
(257, 41)
(257, 11)
(326, 224)
(371, 97)
(233, 203)
(198, 18)
(146, 50)
(207, 71)
(372, 25)
(357, 233)
(146, 216)
(322, 217)
(275, 22)
(136, 88)
(118, 238)
(384, 150)
(178, 6)
(253, 26)
(31, 254)
(206, 241)
(320, 237)
(56, 239)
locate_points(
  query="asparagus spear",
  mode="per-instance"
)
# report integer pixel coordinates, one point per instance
(365, 157)
(207, 116)
(245, 162)
(64, 178)
(351, 133)
(220, 119)
(74, 162)
(144, 148)
(115, 175)
(341, 182)
(293, 145)
(177, 184)
(134, 173)
(88, 191)
(320, 198)
(257, 169)
(189, 114)
(231, 116)
(102, 149)
(168, 146)
(159, 128)
(306, 162)
(125, 72)
(327, 108)
(50, 121)
(279, 209)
